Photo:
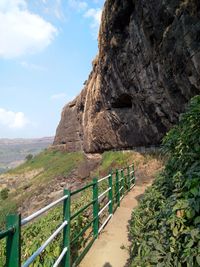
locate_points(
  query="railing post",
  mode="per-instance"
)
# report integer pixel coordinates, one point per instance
(66, 231)
(117, 188)
(129, 178)
(95, 208)
(133, 169)
(122, 177)
(110, 194)
(13, 246)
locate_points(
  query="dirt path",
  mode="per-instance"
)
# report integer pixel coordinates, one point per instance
(111, 248)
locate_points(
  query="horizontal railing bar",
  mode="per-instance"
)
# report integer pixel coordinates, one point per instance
(43, 210)
(104, 208)
(58, 261)
(121, 197)
(132, 186)
(46, 243)
(100, 229)
(81, 210)
(132, 179)
(102, 194)
(82, 231)
(121, 179)
(121, 189)
(7, 232)
(131, 172)
(104, 178)
(81, 189)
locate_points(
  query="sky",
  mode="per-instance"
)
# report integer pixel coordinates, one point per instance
(46, 50)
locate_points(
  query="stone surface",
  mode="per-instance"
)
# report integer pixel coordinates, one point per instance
(147, 69)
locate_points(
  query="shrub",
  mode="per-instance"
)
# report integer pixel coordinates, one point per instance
(166, 226)
(4, 193)
(29, 157)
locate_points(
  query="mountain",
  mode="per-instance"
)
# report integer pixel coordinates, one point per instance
(147, 69)
(14, 151)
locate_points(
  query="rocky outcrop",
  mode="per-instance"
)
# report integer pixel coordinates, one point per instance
(147, 69)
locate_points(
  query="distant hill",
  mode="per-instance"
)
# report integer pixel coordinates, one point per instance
(14, 151)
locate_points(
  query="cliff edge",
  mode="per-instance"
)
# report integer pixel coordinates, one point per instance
(147, 69)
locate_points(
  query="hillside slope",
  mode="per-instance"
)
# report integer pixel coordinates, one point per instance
(41, 180)
(146, 71)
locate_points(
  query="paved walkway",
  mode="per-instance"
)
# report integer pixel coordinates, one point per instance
(111, 248)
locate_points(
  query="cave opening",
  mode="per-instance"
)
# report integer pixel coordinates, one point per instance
(81, 108)
(123, 101)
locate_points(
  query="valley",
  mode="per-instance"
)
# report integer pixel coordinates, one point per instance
(13, 152)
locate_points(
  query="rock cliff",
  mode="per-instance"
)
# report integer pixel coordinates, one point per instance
(147, 69)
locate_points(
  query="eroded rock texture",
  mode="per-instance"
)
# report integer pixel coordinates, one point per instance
(147, 69)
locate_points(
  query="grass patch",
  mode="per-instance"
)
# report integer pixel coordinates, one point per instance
(114, 159)
(52, 161)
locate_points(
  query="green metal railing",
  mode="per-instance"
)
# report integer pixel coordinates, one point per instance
(115, 186)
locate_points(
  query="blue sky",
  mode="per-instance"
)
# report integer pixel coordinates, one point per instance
(46, 50)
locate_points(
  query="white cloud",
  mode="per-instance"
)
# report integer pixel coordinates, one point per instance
(58, 96)
(78, 5)
(14, 120)
(95, 15)
(21, 31)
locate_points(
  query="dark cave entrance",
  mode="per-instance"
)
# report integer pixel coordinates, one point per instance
(123, 101)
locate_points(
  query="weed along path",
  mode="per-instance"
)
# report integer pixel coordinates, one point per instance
(111, 247)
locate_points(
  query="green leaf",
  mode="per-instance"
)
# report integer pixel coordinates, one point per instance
(194, 233)
(197, 220)
(195, 191)
(175, 231)
(198, 259)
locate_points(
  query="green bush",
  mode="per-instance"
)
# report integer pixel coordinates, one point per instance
(4, 193)
(165, 228)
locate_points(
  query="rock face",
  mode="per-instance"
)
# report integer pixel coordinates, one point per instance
(147, 69)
